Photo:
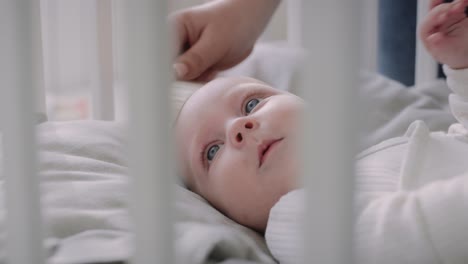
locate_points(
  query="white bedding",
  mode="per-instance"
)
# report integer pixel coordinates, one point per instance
(84, 184)
(84, 175)
(410, 196)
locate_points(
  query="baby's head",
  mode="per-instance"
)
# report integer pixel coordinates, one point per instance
(236, 142)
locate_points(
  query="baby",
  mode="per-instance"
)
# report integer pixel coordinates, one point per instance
(237, 146)
(236, 136)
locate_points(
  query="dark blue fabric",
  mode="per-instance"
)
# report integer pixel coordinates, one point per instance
(397, 39)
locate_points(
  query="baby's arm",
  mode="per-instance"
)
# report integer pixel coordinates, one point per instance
(444, 33)
(427, 225)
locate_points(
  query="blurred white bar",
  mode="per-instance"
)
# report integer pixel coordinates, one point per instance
(150, 154)
(103, 94)
(38, 71)
(426, 66)
(329, 85)
(369, 25)
(294, 22)
(17, 47)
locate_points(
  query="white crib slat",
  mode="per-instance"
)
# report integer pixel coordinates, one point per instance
(103, 94)
(24, 228)
(294, 22)
(369, 28)
(426, 66)
(148, 86)
(329, 85)
(39, 82)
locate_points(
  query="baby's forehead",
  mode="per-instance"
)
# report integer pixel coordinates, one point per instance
(232, 80)
(227, 84)
(216, 90)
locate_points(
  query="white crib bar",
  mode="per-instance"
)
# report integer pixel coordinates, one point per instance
(24, 227)
(38, 81)
(331, 35)
(369, 29)
(294, 23)
(103, 94)
(425, 65)
(151, 151)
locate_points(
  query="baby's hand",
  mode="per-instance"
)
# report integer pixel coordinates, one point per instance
(444, 32)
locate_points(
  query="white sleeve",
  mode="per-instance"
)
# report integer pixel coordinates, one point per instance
(428, 225)
(457, 80)
(283, 233)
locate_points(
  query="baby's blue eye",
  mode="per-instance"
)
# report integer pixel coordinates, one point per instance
(212, 152)
(251, 105)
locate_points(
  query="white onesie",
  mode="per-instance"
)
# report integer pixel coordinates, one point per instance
(411, 196)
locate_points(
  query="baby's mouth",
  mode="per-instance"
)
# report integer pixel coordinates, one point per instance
(265, 148)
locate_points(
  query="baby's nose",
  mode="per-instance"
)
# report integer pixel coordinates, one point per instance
(240, 129)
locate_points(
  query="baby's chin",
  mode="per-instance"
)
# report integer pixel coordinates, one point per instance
(256, 220)
(255, 216)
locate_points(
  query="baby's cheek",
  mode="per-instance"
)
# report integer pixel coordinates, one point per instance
(233, 162)
(233, 180)
(229, 183)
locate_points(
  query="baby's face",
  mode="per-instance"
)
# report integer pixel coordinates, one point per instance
(237, 146)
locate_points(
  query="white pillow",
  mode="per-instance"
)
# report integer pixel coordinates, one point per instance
(85, 193)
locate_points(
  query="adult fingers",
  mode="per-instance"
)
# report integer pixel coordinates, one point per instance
(179, 32)
(433, 21)
(230, 60)
(452, 15)
(207, 76)
(435, 3)
(198, 58)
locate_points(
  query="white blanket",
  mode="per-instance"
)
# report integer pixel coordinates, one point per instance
(411, 196)
(411, 203)
(84, 174)
(84, 185)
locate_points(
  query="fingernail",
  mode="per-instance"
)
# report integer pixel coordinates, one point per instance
(180, 69)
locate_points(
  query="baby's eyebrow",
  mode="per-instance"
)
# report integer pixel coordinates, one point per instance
(239, 92)
(234, 91)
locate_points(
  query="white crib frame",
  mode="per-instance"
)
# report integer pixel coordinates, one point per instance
(148, 55)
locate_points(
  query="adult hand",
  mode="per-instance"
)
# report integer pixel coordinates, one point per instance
(444, 32)
(217, 35)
